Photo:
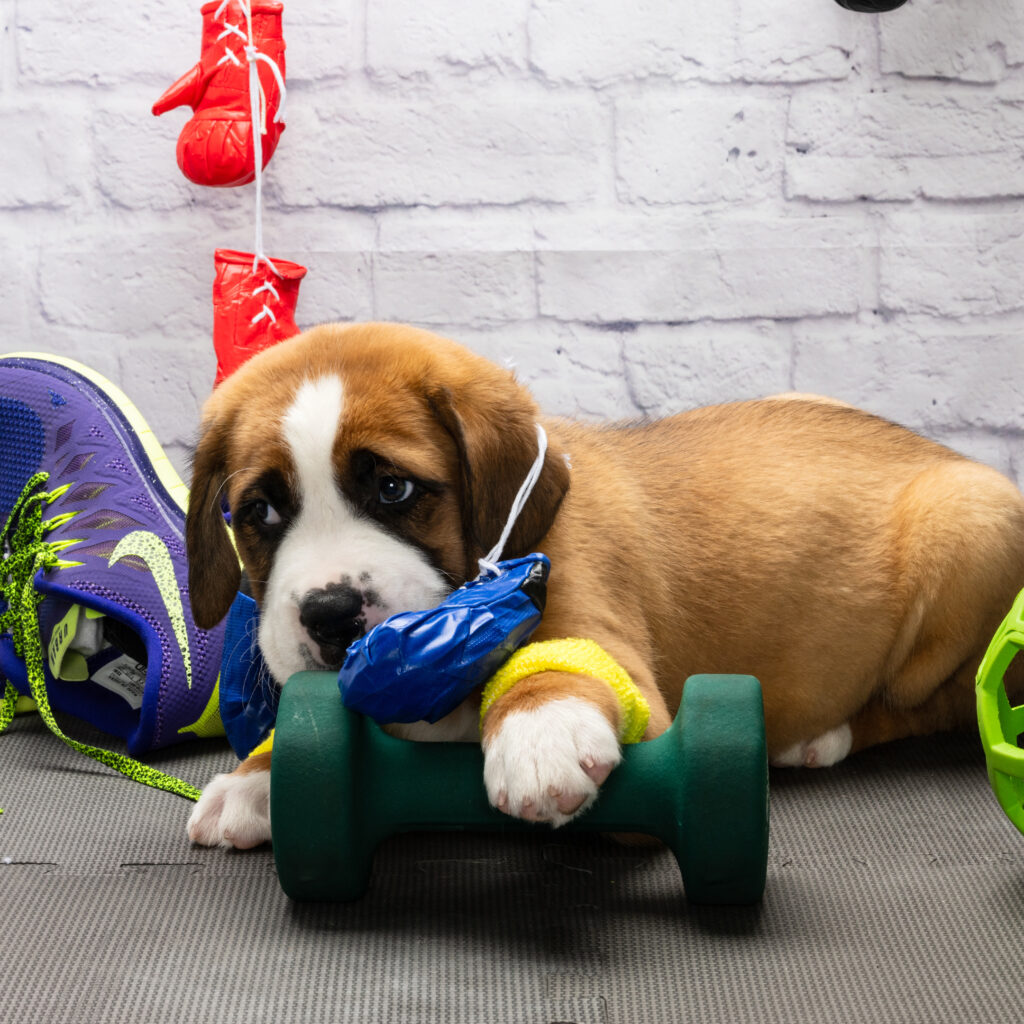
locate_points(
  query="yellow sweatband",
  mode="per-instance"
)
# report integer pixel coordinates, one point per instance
(583, 657)
(265, 747)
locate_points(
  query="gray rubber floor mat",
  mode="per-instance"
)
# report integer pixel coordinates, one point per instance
(895, 894)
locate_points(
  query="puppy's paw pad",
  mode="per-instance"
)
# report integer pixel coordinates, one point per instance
(234, 810)
(547, 764)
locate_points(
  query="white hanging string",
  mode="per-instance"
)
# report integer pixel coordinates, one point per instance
(489, 564)
(258, 114)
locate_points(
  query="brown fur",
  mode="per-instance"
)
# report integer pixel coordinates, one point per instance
(857, 569)
(255, 763)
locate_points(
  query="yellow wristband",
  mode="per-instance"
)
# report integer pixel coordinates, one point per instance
(264, 747)
(583, 657)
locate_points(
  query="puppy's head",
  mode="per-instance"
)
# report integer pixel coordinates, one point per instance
(367, 468)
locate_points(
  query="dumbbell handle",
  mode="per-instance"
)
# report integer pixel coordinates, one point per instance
(340, 785)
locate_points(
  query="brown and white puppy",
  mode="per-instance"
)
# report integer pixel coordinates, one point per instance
(857, 569)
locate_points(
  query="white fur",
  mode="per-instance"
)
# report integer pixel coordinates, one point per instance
(329, 540)
(536, 765)
(459, 726)
(827, 749)
(234, 810)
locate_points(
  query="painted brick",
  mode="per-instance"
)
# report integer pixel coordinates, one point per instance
(17, 308)
(700, 149)
(570, 369)
(337, 287)
(322, 44)
(45, 155)
(8, 54)
(168, 379)
(291, 231)
(128, 283)
(897, 146)
(454, 287)
(975, 42)
(800, 41)
(410, 39)
(100, 351)
(493, 151)
(465, 267)
(957, 265)
(603, 41)
(727, 270)
(673, 368)
(474, 229)
(103, 44)
(930, 376)
(158, 43)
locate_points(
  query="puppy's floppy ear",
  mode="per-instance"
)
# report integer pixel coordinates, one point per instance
(213, 570)
(495, 436)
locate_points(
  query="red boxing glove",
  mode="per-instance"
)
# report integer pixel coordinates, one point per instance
(252, 309)
(216, 146)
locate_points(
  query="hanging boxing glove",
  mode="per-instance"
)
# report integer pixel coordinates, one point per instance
(252, 308)
(216, 145)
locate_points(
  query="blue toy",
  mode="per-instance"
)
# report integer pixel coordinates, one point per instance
(248, 694)
(419, 666)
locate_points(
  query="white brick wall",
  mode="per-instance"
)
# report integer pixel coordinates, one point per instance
(642, 206)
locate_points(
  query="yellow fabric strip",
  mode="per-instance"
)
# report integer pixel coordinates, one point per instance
(583, 657)
(265, 747)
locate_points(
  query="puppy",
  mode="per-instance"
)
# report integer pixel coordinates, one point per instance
(857, 569)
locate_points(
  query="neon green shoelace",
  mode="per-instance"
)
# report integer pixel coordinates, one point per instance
(23, 553)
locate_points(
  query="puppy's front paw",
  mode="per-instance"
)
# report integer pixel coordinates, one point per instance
(234, 810)
(547, 764)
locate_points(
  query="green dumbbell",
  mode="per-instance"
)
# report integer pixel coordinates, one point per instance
(340, 785)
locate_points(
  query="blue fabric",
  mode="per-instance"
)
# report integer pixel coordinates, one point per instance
(248, 694)
(419, 666)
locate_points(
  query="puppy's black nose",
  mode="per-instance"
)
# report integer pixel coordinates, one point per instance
(333, 617)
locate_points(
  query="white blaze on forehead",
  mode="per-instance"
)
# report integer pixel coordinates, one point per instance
(310, 428)
(331, 541)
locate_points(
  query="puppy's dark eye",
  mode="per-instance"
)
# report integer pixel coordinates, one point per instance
(265, 513)
(393, 490)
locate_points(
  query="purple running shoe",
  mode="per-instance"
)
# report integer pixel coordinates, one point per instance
(93, 582)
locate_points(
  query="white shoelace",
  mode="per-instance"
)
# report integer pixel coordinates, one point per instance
(489, 563)
(258, 113)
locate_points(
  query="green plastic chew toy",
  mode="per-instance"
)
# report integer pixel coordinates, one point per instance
(1000, 723)
(340, 785)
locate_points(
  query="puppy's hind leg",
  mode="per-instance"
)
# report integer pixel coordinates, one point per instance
(959, 551)
(823, 751)
(952, 706)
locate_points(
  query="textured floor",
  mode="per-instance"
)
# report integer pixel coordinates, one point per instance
(895, 893)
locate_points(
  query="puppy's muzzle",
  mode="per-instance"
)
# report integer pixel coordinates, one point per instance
(333, 617)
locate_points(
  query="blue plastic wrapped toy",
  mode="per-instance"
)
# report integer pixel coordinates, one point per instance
(419, 666)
